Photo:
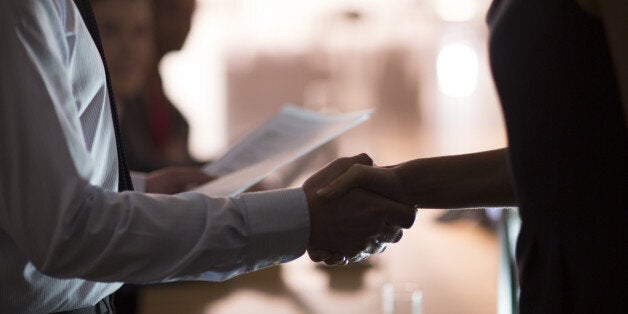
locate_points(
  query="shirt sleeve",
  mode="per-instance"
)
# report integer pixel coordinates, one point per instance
(70, 228)
(139, 181)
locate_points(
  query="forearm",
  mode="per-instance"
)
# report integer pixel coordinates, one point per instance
(461, 181)
(134, 237)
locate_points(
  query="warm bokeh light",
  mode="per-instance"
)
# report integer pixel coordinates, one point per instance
(457, 69)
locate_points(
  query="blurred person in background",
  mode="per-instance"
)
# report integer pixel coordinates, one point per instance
(173, 21)
(136, 35)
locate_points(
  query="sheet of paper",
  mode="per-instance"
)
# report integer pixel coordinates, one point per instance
(288, 135)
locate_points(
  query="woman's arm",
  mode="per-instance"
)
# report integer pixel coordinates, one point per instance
(461, 181)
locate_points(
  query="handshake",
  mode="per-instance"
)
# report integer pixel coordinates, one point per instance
(354, 211)
(355, 208)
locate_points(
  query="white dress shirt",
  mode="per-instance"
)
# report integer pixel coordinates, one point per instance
(66, 237)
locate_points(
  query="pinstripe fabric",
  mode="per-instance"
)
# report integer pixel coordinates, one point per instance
(36, 292)
(85, 9)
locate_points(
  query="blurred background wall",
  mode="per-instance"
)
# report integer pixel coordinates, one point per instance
(421, 63)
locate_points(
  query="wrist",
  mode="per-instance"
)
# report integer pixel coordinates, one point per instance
(459, 181)
(439, 182)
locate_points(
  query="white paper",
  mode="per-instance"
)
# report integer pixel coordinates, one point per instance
(288, 135)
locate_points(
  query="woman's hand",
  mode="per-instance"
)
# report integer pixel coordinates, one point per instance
(381, 180)
(446, 182)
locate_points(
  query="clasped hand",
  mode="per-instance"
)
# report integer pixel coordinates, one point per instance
(351, 223)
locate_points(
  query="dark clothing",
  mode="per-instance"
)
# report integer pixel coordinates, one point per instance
(155, 132)
(569, 155)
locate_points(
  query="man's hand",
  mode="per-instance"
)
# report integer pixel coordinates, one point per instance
(172, 180)
(353, 225)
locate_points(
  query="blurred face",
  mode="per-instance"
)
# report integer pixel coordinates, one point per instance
(173, 19)
(127, 31)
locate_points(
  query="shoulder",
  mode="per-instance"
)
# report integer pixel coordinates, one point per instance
(602, 8)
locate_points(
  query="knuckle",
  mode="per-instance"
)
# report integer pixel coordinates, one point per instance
(398, 236)
(382, 249)
(411, 217)
(356, 169)
(342, 162)
(366, 159)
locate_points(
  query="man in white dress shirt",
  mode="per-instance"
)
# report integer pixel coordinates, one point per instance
(68, 238)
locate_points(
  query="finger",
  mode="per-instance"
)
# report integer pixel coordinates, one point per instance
(360, 257)
(193, 176)
(380, 248)
(362, 159)
(375, 247)
(319, 255)
(335, 259)
(394, 213)
(334, 262)
(400, 215)
(189, 178)
(341, 165)
(390, 235)
(356, 176)
(398, 237)
(330, 172)
(356, 254)
(183, 178)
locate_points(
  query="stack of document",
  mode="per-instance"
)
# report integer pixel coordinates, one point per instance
(288, 135)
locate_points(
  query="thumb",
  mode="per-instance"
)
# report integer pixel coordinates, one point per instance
(401, 216)
(350, 179)
(342, 165)
(188, 177)
(319, 255)
(199, 177)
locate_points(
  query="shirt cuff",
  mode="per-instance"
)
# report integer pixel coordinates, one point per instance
(139, 181)
(279, 226)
